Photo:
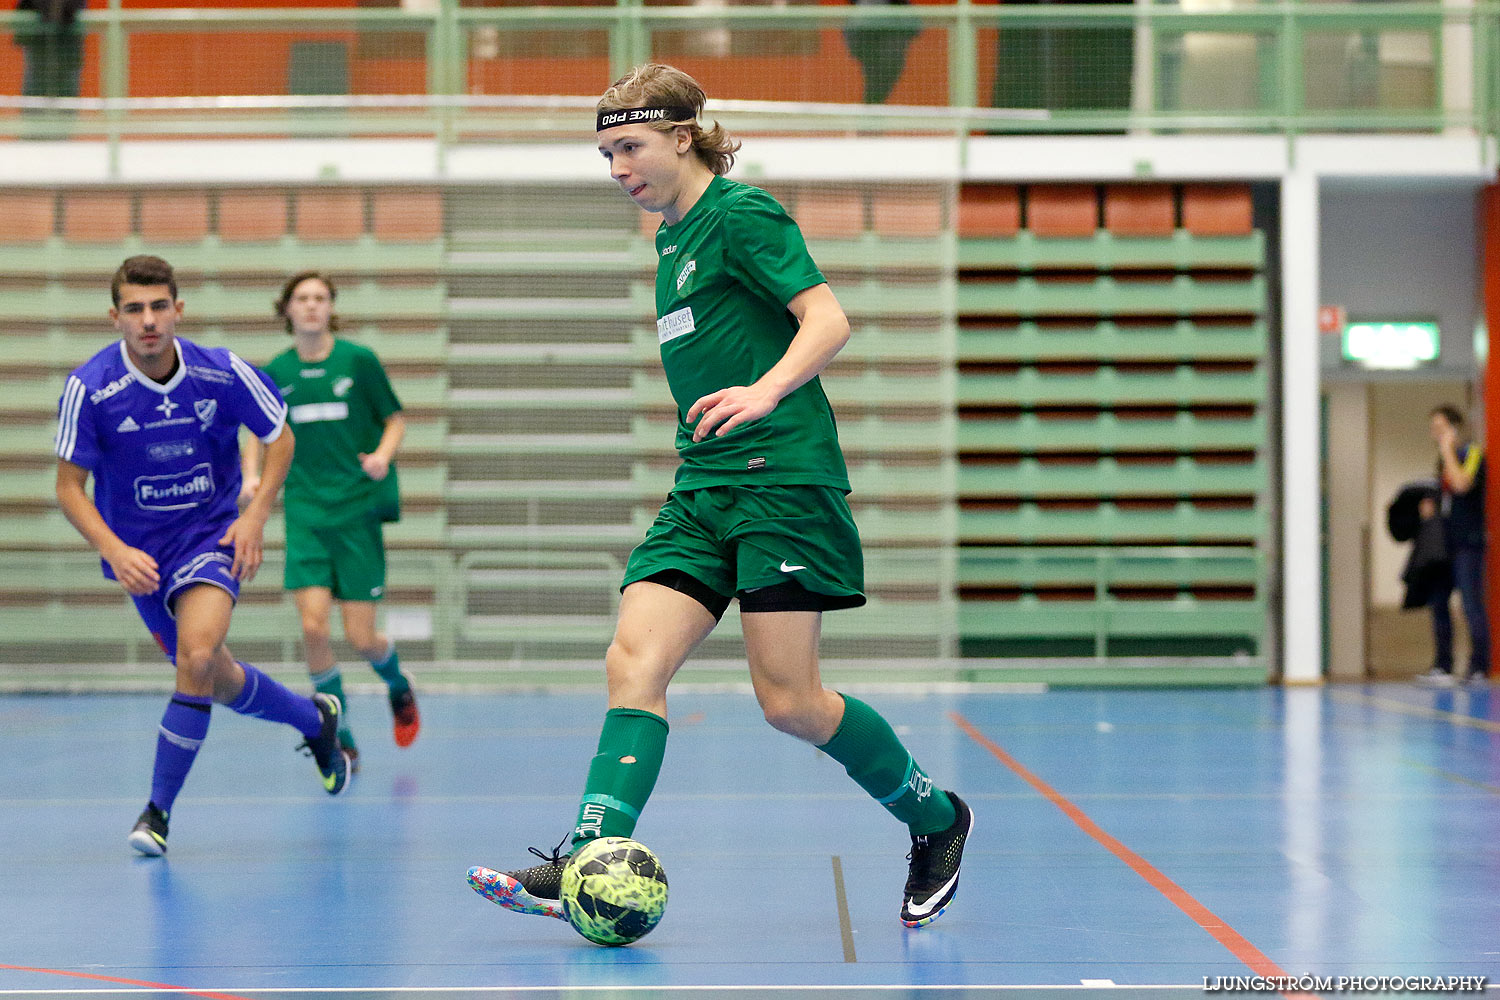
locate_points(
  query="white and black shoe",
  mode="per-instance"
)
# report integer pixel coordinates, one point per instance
(932, 880)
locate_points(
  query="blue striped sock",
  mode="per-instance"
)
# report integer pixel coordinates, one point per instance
(264, 698)
(183, 726)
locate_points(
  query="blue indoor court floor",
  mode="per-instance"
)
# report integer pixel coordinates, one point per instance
(1145, 840)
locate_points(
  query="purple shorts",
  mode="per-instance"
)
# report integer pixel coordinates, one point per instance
(208, 563)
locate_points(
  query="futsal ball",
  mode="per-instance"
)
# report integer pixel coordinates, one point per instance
(614, 891)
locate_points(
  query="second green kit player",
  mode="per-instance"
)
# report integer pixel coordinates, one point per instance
(341, 490)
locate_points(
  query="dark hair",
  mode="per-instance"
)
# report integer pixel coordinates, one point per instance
(285, 299)
(142, 269)
(1450, 413)
(657, 84)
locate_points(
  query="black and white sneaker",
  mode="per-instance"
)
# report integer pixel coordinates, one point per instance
(536, 890)
(324, 749)
(932, 880)
(149, 836)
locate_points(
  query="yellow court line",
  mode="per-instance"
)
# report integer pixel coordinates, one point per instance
(1449, 775)
(1421, 711)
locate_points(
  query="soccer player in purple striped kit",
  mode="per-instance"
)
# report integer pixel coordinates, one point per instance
(155, 420)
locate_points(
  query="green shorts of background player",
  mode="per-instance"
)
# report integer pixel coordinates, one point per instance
(341, 489)
(746, 322)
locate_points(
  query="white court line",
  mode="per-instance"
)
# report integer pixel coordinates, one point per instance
(272, 990)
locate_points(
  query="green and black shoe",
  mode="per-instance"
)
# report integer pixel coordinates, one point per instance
(324, 749)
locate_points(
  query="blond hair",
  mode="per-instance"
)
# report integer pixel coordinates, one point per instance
(659, 85)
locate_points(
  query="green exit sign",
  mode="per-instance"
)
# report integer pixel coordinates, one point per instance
(1391, 343)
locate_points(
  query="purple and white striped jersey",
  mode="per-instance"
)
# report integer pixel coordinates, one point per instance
(165, 457)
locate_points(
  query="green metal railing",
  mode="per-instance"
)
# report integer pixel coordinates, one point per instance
(1259, 67)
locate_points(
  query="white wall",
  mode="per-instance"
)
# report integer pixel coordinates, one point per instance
(1403, 252)
(1347, 479)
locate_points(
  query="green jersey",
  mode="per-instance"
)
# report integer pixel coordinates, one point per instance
(338, 408)
(724, 276)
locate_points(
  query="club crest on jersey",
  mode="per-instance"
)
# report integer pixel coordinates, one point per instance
(205, 410)
(341, 386)
(685, 274)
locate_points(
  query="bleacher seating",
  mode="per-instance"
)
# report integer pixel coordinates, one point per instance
(1112, 430)
(1056, 446)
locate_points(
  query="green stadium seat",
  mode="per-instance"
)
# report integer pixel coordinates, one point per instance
(1105, 340)
(1030, 616)
(1181, 295)
(1108, 522)
(1182, 477)
(1106, 251)
(1100, 567)
(1110, 433)
(28, 484)
(871, 252)
(1108, 386)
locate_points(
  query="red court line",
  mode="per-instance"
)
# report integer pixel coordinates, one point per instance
(126, 982)
(1179, 897)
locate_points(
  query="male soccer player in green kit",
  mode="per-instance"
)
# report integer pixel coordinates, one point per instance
(341, 489)
(746, 323)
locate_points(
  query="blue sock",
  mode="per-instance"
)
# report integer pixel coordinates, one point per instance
(183, 726)
(264, 698)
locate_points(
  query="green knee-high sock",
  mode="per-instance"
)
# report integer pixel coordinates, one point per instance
(622, 774)
(331, 681)
(871, 752)
(389, 669)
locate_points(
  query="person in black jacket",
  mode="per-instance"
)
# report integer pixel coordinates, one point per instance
(1460, 474)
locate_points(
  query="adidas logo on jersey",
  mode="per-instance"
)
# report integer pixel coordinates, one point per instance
(128, 424)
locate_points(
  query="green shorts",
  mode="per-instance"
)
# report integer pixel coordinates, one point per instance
(737, 540)
(348, 559)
